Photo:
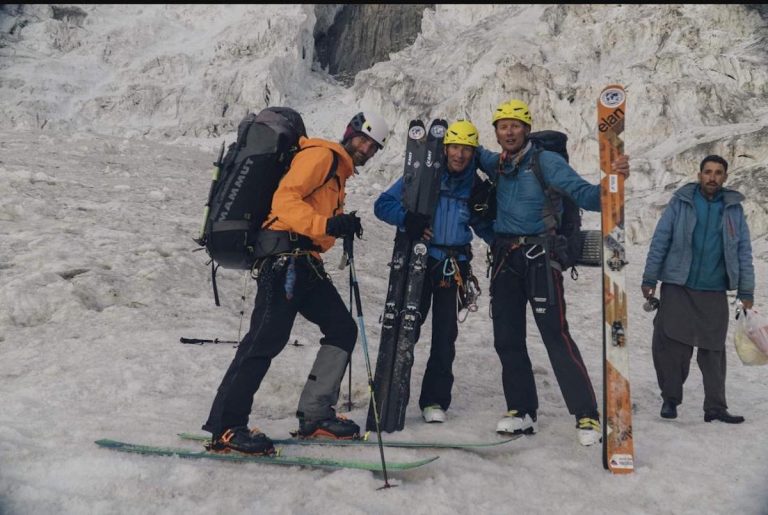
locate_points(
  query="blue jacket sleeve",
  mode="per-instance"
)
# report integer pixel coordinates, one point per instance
(389, 206)
(660, 243)
(559, 175)
(746, 289)
(487, 161)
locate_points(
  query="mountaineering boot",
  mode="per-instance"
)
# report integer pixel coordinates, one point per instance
(588, 429)
(433, 413)
(243, 440)
(517, 423)
(722, 416)
(337, 428)
(668, 409)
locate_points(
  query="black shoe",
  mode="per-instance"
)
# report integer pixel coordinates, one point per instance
(333, 428)
(243, 440)
(722, 416)
(668, 410)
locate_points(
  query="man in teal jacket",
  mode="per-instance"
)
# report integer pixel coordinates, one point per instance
(700, 249)
(526, 271)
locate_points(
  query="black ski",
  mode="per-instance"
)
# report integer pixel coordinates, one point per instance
(426, 198)
(414, 157)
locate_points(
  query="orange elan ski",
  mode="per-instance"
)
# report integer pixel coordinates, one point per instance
(618, 448)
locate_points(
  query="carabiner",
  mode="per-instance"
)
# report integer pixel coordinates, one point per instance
(528, 254)
(445, 265)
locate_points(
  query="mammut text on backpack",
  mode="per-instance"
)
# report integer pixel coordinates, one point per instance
(244, 181)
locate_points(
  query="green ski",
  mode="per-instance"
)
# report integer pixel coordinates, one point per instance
(362, 442)
(301, 461)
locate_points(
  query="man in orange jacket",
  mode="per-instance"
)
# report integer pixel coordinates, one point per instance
(306, 218)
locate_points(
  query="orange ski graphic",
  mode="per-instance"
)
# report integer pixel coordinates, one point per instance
(618, 448)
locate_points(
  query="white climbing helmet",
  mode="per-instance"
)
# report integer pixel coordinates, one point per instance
(372, 125)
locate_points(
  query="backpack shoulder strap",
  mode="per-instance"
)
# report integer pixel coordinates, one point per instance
(551, 215)
(536, 167)
(330, 175)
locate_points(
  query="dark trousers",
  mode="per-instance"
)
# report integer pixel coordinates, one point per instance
(672, 361)
(315, 297)
(440, 290)
(518, 281)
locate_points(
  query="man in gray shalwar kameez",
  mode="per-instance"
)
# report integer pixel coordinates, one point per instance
(700, 249)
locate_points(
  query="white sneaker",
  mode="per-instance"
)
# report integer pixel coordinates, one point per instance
(589, 431)
(516, 423)
(433, 413)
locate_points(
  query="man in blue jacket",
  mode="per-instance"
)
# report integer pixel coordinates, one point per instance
(449, 236)
(700, 249)
(526, 270)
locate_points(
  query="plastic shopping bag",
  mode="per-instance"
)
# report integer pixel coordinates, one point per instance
(757, 329)
(748, 329)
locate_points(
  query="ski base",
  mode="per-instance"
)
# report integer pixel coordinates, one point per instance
(301, 461)
(371, 443)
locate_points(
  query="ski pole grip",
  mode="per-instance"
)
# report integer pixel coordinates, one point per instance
(192, 340)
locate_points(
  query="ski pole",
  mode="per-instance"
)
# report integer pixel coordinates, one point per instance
(348, 250)
(198, 341)
(342, 265)
(349, 361)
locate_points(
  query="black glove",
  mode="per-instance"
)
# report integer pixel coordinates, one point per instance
(482, 199)
(345, 224)
(415, 224)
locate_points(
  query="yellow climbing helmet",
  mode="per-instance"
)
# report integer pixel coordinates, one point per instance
(515, 110)
(461, 132)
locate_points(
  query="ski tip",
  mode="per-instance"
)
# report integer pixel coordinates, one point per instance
(416, 464)
(611, 97)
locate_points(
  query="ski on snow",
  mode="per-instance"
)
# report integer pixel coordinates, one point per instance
(365, 442)
(301, 461)
(618, 449)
